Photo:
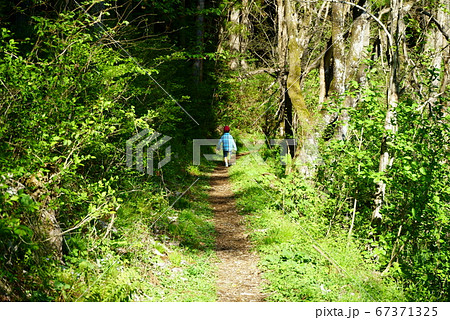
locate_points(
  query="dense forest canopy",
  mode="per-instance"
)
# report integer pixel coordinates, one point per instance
(361, 86)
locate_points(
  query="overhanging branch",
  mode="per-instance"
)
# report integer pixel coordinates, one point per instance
(271, 71)
(363, 9)
(438, 25)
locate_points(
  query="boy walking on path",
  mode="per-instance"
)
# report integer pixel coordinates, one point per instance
(227, 144)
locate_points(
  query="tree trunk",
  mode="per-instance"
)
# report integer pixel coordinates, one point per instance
(238, 38)
(246, 26)
(359, 42)
(444, 20)
(198, 63)
(46, 227)
(235, 36)
(390, 126)
(337, 85)
(282, 41)
(339, 12)
(296, 45)
(302, 120)
(437, 47)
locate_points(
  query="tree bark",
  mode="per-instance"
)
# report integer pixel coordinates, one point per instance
(299, 34)
(246, 28)
(198, 63)
(390, 126)
(339, 12)
(46, 227)
(437, 47)
(282, 41)
(238, 38)
(359, 42)
(444, 20)
(297, 41)
(235, 36)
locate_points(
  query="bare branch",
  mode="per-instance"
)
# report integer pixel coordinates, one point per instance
(270, 71)
(363, 9)
(438, 25)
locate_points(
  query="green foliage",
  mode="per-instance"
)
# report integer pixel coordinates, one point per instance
(350, 167)
(415, 215)
(137, 266)
(286, 216)
(239, 101)
(76, 224)
(419, 202)
(70, 100)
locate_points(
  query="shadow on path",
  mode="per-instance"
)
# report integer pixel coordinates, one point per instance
(238, 277)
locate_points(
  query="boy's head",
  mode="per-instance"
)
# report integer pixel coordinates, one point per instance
(226, 129)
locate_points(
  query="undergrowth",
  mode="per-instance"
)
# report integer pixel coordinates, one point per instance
(158, 250)
(301, 259)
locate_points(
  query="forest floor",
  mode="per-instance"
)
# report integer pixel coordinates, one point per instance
(238, 277)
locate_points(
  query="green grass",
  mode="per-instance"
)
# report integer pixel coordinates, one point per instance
(154, 253)
(289, 231)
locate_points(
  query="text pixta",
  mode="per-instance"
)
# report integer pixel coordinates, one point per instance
(337, 312)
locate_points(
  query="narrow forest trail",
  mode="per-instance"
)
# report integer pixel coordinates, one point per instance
(238, 276)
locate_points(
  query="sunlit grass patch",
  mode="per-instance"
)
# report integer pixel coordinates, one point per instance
(300, 259)
(156, 251)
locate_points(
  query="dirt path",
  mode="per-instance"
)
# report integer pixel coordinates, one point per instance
(238, 276)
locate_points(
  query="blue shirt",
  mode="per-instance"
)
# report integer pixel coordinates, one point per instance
(226, 142)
